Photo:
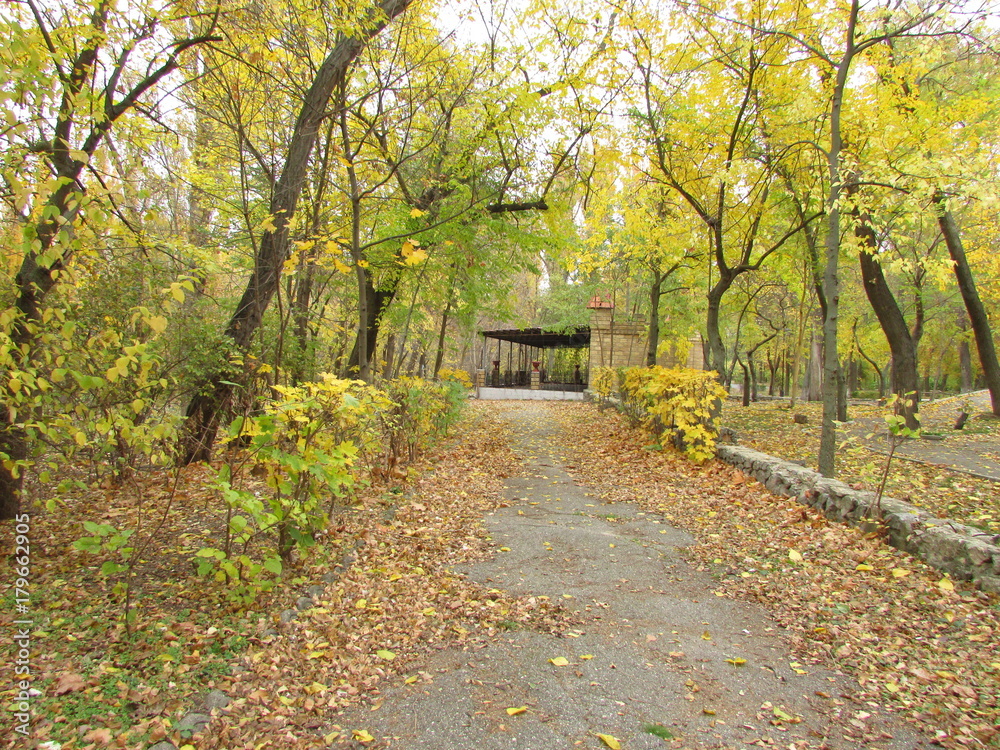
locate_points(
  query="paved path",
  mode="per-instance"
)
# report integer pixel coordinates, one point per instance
(665, 650)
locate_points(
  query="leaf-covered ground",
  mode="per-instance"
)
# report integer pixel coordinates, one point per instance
(910, 636)
(923, 478)
(392, 598)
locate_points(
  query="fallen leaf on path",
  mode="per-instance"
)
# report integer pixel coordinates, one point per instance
(516, 711)
(559, 661)
(610, 741)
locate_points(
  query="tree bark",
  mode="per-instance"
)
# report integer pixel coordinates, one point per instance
(654, 316)
(973, 304)
(905, 377)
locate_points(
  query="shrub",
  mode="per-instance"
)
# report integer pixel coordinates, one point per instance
(682, 401)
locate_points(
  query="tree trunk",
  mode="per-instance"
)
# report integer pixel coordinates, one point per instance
(378, 301)
(439, 357)
(973, 304)
(905, 379)
(831, 277)
(965, 363)
(654, 317)
(715, 352)
(746, 382)
(390, 356)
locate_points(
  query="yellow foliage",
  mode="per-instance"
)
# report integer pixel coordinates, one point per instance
(681, 401)
(456, 376)
(604, 381)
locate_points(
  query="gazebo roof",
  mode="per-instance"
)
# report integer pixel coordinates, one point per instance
(573, 338)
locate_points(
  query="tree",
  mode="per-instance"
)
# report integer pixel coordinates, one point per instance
(205, 409)
(74, 70)
(706, 124)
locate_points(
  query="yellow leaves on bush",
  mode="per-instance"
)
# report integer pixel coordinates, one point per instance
(604, 381)
(682, 401)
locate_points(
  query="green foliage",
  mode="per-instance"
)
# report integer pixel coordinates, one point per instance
(107, 539)
(422, 410)
(306, 446)
(682, 401)
(87, 393)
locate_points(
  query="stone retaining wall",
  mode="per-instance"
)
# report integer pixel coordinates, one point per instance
(964, 552)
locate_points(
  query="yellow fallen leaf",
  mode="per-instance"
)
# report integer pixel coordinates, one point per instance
(945, 584)
(586, 657)
(505, 549)
(410, 680)
(610, 741)
(428, 611)
(362, 736)
(361, 603)
(385, 654)
(316, 687)
(708, 711)
(737, 662)
(864, 566)
(900, 572)
(892, 687)
(559, 661)
(516, 711)
(794, 555)
(329, 738)
(706, 636)
(611, 545)
(395, 577)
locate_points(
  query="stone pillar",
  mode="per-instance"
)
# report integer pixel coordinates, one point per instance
(480, 378)
(536, 380)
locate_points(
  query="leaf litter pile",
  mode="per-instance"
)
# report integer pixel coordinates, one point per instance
(916, 642)
(382, 594)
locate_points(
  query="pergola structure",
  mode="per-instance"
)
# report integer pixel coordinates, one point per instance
(518, 353)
